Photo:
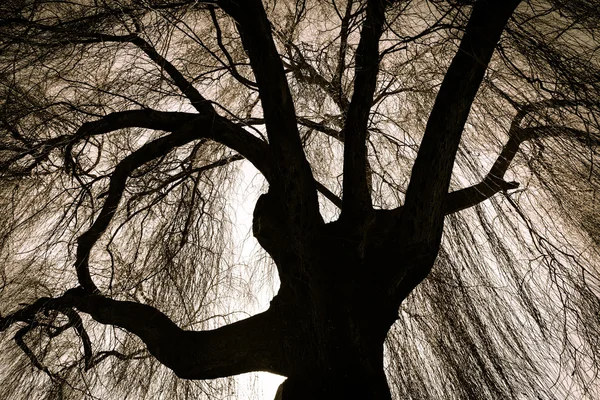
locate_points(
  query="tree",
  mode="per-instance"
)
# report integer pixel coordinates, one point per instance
(429, 201)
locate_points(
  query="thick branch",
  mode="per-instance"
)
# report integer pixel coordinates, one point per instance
(426, 194)
(329, 195)
(244, 346)
(149, 119)
(292, 182)
(473, 195)
(212, 127)
(276, 99)
(356, 194)
(249, 345)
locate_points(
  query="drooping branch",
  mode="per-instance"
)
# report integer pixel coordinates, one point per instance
(146, 118)
(193, 95)
(190, 129)
(356, 193)
(222, 130)
(71, 35)
(426, 194)
(20, 341)
(230, 63)
(253, 344)
(198, 101)
(494, 181)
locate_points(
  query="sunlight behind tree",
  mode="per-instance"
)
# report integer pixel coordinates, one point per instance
(382, 199)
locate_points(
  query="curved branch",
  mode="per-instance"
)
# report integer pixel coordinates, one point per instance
(146, 118)
(20, 340)
(494, 181)
(212, 127)
(77, 35)
(198, 101)
(231, 64)
(244, 346)
(253, 344)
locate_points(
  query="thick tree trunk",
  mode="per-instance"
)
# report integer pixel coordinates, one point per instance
(345, 382)
(340, 357)
(338, 300)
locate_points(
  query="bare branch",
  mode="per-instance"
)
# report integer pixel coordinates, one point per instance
(231, 63)
(190, 129)
(494, 181)
(248, 345)
(356, 194)
(244, 346)
(426, 193)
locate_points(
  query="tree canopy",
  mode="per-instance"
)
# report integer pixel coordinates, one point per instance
(423, 177)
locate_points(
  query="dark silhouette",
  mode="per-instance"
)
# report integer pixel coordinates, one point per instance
(430, 199)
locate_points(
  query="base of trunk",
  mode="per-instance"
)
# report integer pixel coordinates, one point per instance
(348, 384)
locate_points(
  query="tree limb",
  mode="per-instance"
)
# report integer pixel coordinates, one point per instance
(424, 207)
(212, 127)
(494, 181)
(293, 183)
(356, 193)
(253, 344)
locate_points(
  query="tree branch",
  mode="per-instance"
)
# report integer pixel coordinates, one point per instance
(356, 194)
(293, 182)
(244, 346)
(341, 62)
(494, 181)
(424, 207)
(253, 344)
(231, 64)
(189, 129)
(81, 36)
(147, 118)
(468, 197)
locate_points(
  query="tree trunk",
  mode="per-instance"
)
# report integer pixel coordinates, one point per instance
(345, 382)
(339, 297)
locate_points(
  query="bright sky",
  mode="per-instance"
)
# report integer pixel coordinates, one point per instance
(260, 385)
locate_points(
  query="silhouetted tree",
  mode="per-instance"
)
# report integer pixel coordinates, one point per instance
(429, 197)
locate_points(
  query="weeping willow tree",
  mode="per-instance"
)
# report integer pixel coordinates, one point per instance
(425, 208)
